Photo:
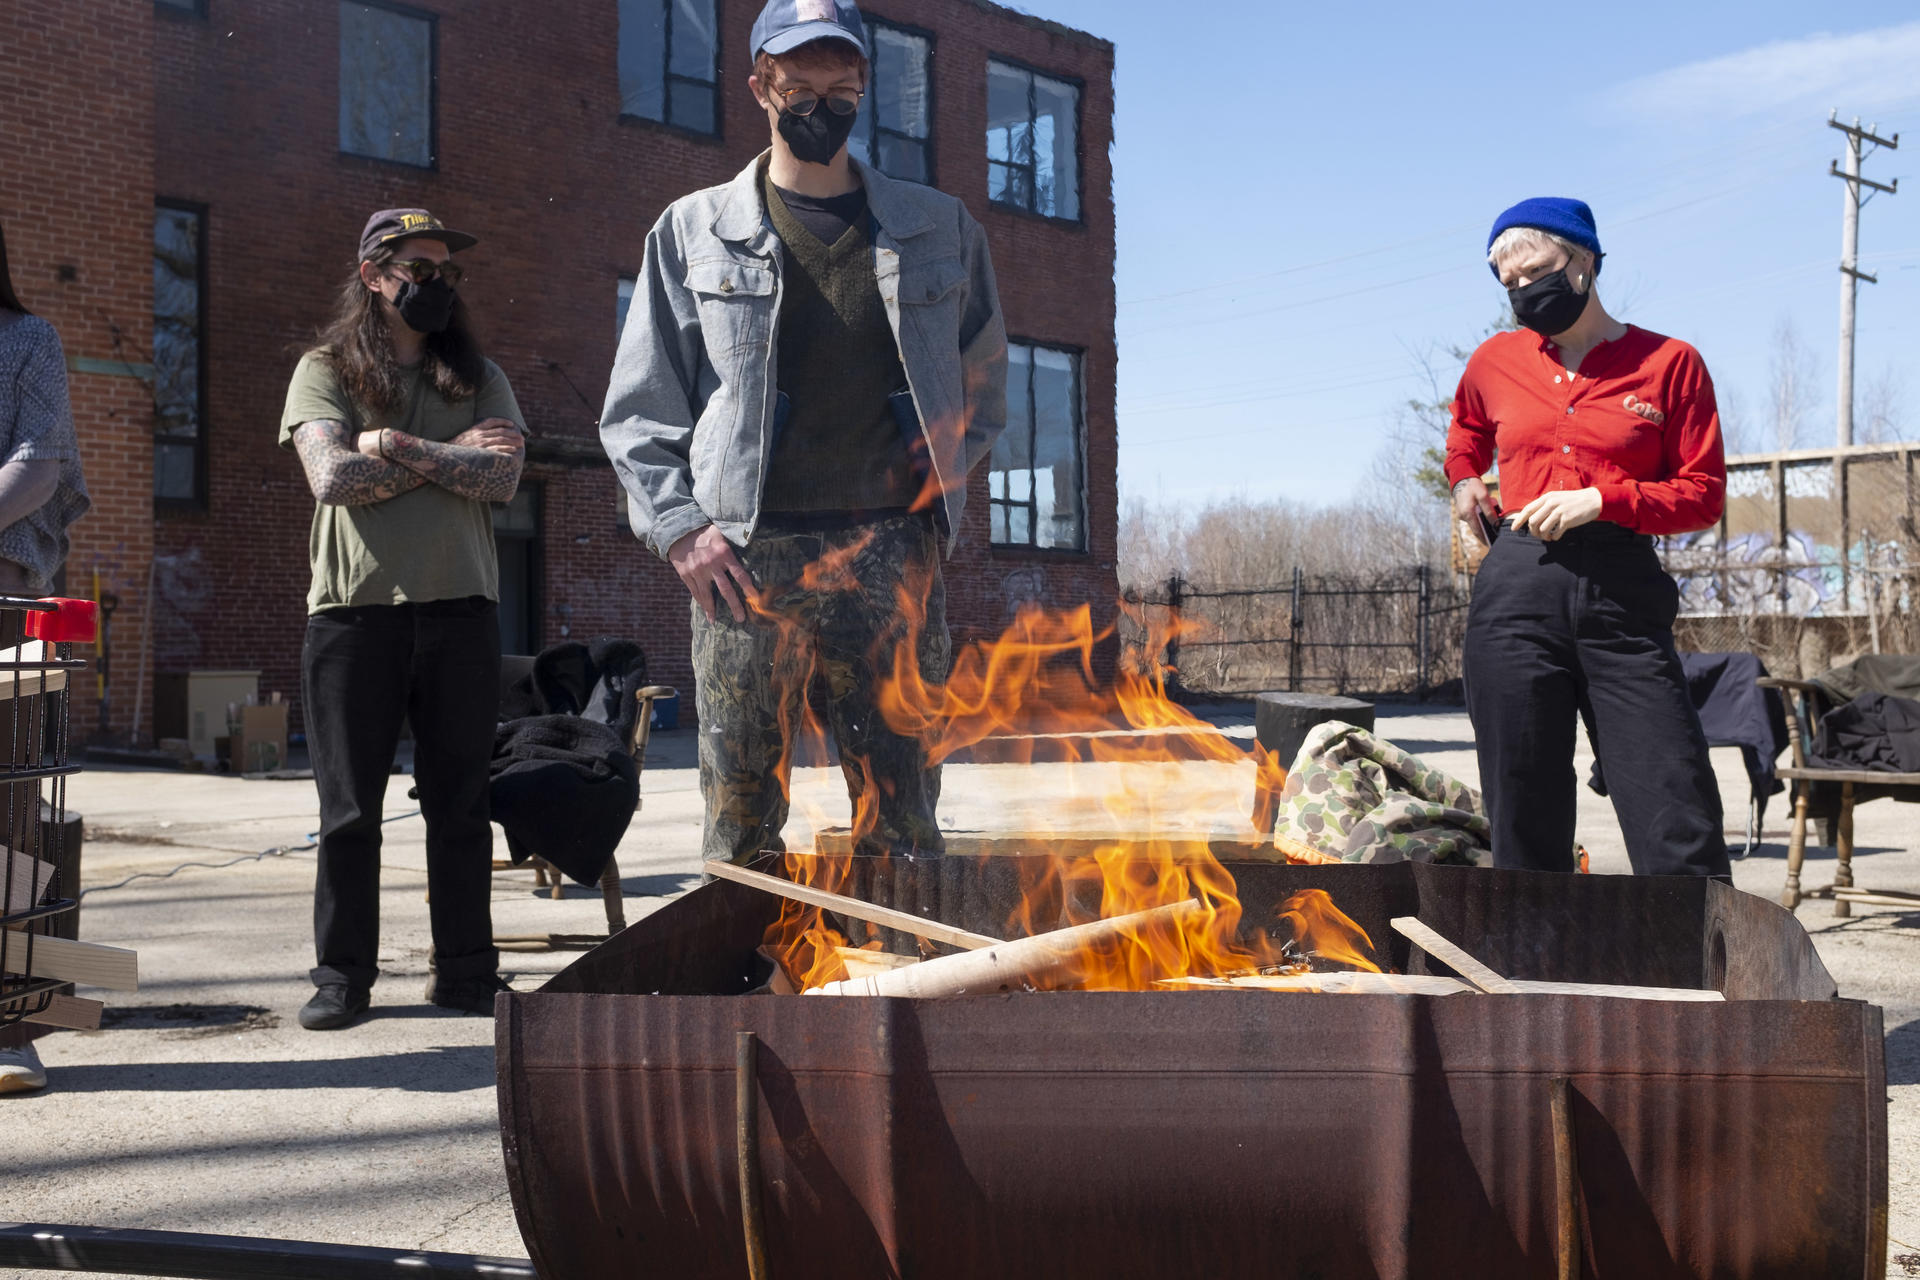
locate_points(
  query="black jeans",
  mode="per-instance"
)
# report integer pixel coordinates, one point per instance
(1584, 627)
(363, 670)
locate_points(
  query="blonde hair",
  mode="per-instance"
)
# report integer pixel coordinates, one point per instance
(1526, 239)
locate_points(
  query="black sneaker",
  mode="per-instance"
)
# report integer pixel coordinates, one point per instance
(468, 995)
(333, 1006)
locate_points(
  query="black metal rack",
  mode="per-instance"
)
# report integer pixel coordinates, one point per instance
(33, 803)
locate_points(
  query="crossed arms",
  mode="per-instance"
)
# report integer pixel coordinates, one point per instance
(348, 470)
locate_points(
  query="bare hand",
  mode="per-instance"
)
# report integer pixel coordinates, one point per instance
(705, 561)
(1550, 515)
(497, 434)
(1472, 494)
(368, 442)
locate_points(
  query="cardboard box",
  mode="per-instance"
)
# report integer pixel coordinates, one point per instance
(260, 744)
(193, 704)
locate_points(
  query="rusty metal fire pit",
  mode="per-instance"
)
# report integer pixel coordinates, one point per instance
(1257, 1134)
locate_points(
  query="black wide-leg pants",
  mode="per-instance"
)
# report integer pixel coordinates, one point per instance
(1581, 629)
(435, 665)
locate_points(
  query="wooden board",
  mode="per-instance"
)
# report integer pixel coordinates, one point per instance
(1454, 957)
(1437, 946)
(1401, 984)
(861, 961)
(23, 879)
(115, 968)
(28, 683)
(71, 1012)
(1527, 986)
(887, 917)
(837, 842)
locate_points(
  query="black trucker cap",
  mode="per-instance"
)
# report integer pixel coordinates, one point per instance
(390, 225)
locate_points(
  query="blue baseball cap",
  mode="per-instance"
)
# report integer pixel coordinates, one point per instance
(785, 25)
(1571, 220)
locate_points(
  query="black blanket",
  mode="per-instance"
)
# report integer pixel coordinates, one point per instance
(1875, 731)
(565, 786)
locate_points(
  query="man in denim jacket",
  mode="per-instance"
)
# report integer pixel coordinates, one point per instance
(813, 362)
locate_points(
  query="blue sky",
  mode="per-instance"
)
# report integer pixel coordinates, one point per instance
(1304, 192)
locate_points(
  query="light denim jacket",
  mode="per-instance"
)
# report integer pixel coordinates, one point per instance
(688, 421)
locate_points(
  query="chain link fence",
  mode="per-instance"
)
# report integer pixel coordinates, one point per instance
(1395, 633)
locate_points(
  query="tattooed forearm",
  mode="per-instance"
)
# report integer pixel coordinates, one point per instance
(483, 474)
(341, 476)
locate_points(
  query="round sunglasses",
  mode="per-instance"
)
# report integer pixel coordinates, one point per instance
(421, 270)
(802, 101)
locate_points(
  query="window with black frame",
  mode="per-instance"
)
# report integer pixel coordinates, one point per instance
(622, 303)
(386, 83)
(669, 61)
(1036, 477)
(179, 311)
(1033, 142)
(519, 549)
(895, 130)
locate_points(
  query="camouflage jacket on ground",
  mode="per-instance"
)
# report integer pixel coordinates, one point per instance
(1357, 798)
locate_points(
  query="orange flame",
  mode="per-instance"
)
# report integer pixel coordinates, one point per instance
(1149, 765)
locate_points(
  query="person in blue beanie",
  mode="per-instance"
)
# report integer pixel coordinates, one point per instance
(1606, 434)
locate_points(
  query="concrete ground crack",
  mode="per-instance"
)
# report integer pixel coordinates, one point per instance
(457, 1218)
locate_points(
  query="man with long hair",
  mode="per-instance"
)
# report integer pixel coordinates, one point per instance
(407, 434)
(41, 493)
(813, 362)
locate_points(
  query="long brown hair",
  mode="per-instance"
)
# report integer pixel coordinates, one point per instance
(8, 298)
(356, 342)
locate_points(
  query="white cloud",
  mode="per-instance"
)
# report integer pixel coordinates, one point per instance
(1852, 72)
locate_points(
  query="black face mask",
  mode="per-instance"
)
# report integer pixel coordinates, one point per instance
(816, 138)
(426, 308)
(1549, 305)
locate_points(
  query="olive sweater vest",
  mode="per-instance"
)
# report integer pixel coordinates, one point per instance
(838, 448)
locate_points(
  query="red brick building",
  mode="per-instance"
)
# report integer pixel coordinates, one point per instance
(228, 151)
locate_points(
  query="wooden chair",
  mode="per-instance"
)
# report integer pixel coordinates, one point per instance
(546, 874)
(1806, 703)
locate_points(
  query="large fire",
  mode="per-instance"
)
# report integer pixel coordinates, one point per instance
(1150, 774)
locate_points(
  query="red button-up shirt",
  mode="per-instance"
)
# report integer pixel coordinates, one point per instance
(1637, 422)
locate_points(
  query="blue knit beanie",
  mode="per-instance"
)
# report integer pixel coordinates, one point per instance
(1571, 220)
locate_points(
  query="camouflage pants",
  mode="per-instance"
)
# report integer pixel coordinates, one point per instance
(825, 634)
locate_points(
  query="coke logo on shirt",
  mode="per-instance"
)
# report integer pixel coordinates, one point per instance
(1645, 410)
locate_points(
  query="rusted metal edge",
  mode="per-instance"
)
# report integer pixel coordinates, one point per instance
(38, 1246)
(512, 1106)
(1874, 1034)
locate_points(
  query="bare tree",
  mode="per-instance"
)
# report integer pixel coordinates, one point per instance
(1789, 386)
(1882, 418)
(1737, 427)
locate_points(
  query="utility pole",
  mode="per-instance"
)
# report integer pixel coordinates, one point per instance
(1850, 274)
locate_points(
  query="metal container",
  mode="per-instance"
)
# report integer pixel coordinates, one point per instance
(1255, 1134)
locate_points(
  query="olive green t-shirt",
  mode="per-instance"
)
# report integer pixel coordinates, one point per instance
(427, 544)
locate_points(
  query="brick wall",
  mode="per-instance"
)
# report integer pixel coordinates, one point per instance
(533, 158)
(76, 199)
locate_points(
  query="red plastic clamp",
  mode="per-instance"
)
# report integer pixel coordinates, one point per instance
(75, 620)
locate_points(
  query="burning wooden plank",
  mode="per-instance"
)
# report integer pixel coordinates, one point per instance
(1009, 966)
(861, 962)
(854, 908)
